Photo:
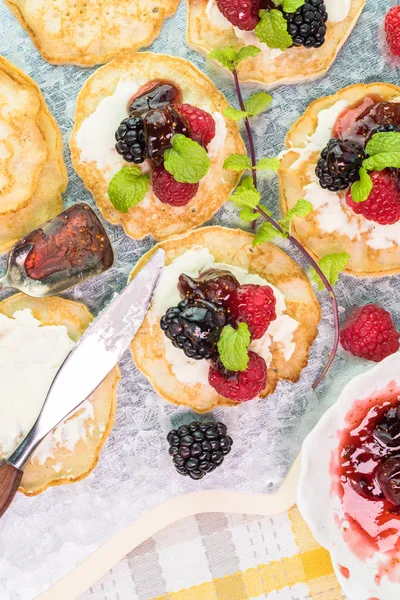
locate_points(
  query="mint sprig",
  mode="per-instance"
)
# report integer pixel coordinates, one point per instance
(331, 265)
(253, 106)
(127, 188)
(232, 347)
(272, 30)
(187, 161)
(268, 231)
(237, 162)
(230, 58)
(383, 152)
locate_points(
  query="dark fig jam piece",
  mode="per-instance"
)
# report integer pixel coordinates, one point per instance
(387, 431)
(159, 127)
(155, 94)
(66, 250)
(216, 286)
(388, 477)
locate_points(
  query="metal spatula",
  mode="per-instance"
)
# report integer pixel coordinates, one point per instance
(90, 361)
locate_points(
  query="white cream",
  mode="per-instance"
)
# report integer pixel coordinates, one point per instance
(30, 355)
(192, 263)
(216, 17)
(323, 133)
(334, 216)
(337, 10)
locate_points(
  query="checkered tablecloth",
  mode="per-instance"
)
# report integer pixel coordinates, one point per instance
(224, 557)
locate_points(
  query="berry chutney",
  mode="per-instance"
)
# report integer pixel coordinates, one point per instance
(365, 472)
(71, 247)
(359, 121)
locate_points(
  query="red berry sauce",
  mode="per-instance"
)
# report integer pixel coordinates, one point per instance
(73, 243)
(370, 522)
(357, 122)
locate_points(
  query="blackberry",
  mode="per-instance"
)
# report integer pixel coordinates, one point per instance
(130, 139)
(307, 25)
(339, 164)
(199, 448)
(195, 327)
(383, 129)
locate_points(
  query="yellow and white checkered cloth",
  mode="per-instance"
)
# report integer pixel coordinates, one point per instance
(225, 557)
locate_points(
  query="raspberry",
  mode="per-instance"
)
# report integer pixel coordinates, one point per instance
(241, 13)
(392, 29)
(369, 333)
(383, 203)
(170, 191)
(240, 385)
(254, 305)
(201, 123)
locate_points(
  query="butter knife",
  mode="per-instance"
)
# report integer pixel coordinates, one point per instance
(94, 356)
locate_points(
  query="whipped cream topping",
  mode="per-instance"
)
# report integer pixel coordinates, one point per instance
(96, 136)
(30, 356)
(338, 11)
(362, 578)
(193, 263)
(323, 133)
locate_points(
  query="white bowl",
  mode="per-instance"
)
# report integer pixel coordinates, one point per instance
(321, 507)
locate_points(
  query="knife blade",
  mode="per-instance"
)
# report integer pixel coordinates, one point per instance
(94, 356)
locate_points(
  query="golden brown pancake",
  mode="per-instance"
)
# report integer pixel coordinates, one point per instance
(296, 65)
(32, 171)
(233, 247)
(365, 260)
(66, 465)
(91, 32)
(152, 216)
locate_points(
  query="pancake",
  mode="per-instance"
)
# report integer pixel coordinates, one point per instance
(233, 247)
(269, 68)
(32, 171)
(295, 175)
(96, 167)
(55, 462)
(91, 32)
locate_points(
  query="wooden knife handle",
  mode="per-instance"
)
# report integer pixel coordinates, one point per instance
(10, 478)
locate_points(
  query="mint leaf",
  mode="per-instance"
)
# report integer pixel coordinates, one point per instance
(230, 58)
(330, 265)
(246, 195)
(289, 6)
(245, 184)
(233, 113)
(246, 52)
(272, 29)
(248, 198)
(385, 141)
(360, 190)
(257, 103)
(381, 161)
(237, 162)
(187, 161)
(301, 209)
(267, 233)
(271, 164)
(226, 56)
(248, 216)
(127, 188)
(232, 347)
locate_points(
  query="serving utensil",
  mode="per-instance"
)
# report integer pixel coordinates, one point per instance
(89, 362)
(68, 249)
